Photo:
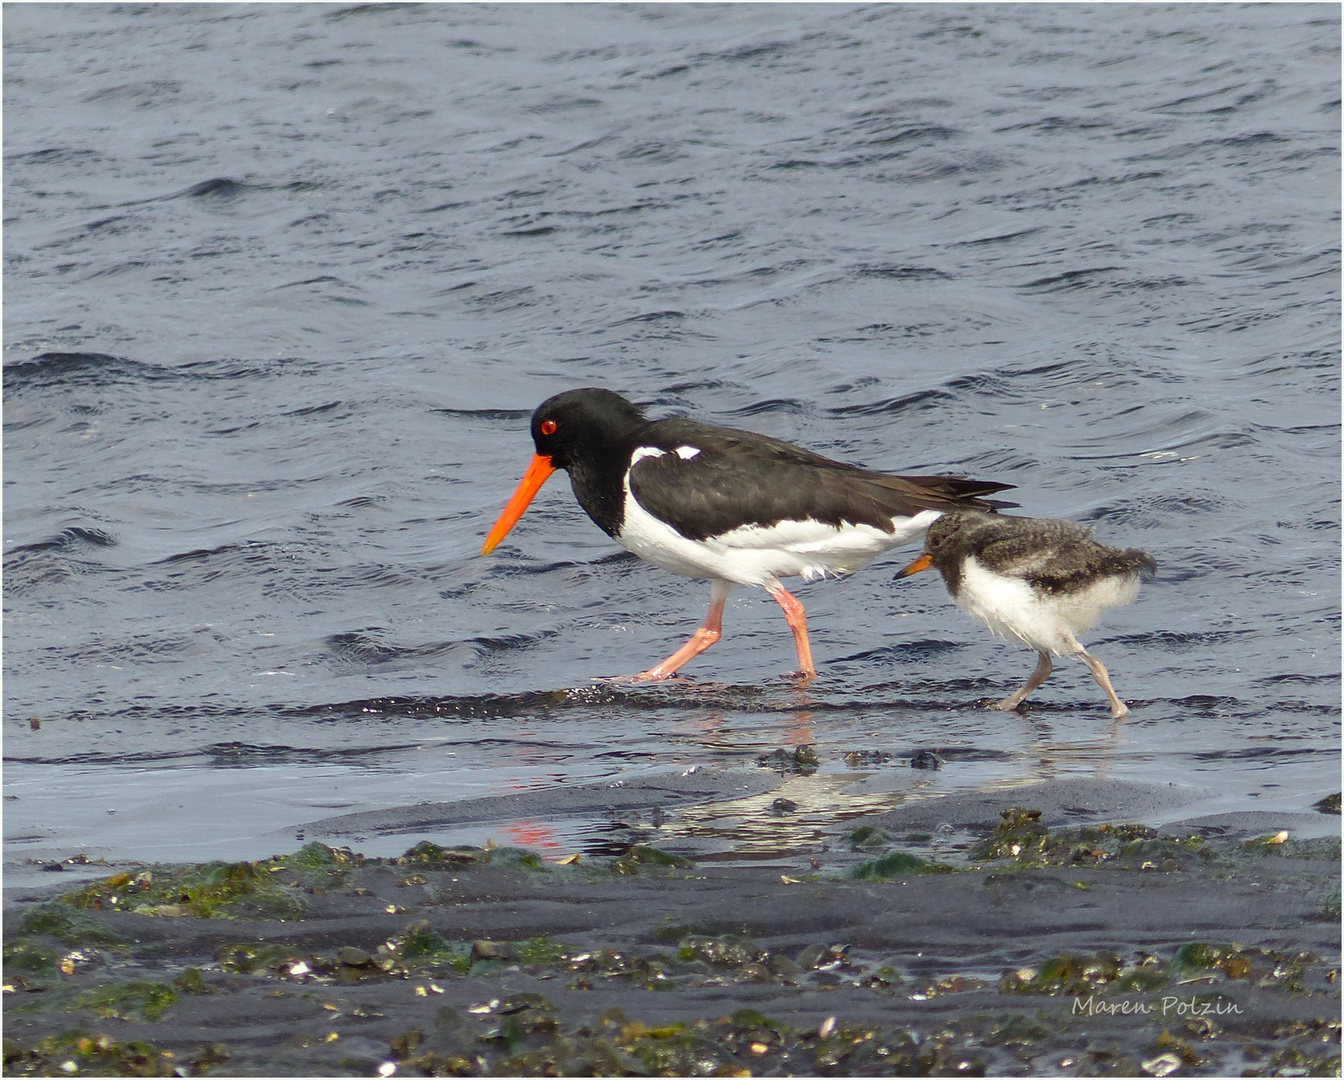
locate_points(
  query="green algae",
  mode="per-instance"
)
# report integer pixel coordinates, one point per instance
(727, 950)
(276, 888)
(543, 951)
(642, 858)
(1296, 1061)
(191, 981)
(1019, 1030)
(1018, 829)
(538, 952)
(1331, 907)
(137, 1000)
(1199, 956)
(1079, 974)
(419, 951)
(519, 859)
(1325, 848)
(421, 946)
(1191, 965)
(88, 1054)
(892, 863)
(646, 972)
(864, 1049)
(71, 926)
(868, 838)
(617, 1046)
(1291, 972)
(433, 856)
(267, 889)
(1021, 836)
(29, 957)
(245, 957)
(800, 761)
(896, 864)
(211, 890)
(677, 1049)
(525, 1038)
(133, 999)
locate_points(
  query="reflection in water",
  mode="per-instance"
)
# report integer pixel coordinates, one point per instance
(810, 804)
(540, 836)
(794, 816)
(755, 827)
(708, 730)
(1043, 758)
(714, 731)
(800, 731)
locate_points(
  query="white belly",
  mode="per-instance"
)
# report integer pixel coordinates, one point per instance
(760, 555)
(1011, 608)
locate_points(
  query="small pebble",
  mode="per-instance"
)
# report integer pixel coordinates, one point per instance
(812, 956)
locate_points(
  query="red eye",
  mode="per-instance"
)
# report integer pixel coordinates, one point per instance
(548, 427)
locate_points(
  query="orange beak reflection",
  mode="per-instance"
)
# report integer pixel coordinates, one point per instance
(537, 474)
(922, 563)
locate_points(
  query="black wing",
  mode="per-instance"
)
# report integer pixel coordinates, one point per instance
(737, 478)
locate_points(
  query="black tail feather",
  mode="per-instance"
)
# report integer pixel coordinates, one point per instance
(960, 493)
(1139, 562)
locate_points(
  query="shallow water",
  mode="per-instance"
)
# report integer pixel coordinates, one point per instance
(283, 285)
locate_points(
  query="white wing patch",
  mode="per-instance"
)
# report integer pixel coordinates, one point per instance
(683, 452)
(757, 554)
(910, 529)
(753, 554)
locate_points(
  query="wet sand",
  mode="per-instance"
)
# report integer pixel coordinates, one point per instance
(942, 937)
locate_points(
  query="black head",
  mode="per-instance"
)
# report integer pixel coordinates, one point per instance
(583, 431)
(579, 425)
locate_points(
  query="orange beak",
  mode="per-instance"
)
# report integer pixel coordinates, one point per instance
(922, 563)
(537, 474)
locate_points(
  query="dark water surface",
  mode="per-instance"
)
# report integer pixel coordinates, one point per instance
(284, 283)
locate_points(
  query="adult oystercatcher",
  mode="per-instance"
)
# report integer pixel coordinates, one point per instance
(733, 507)
(1038, 581)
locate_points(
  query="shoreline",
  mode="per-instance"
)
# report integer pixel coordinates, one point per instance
(1067, 949)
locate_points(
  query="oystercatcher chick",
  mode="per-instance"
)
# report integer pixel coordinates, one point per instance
(732, 507)
(1041, 582)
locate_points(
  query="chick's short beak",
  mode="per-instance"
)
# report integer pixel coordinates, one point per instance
(922, 563)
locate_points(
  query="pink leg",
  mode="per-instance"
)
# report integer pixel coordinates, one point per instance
(1119, 710)
(705, 635)
(797, 619)
(1042, 672)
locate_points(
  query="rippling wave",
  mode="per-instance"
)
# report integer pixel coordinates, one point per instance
(272, 348)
